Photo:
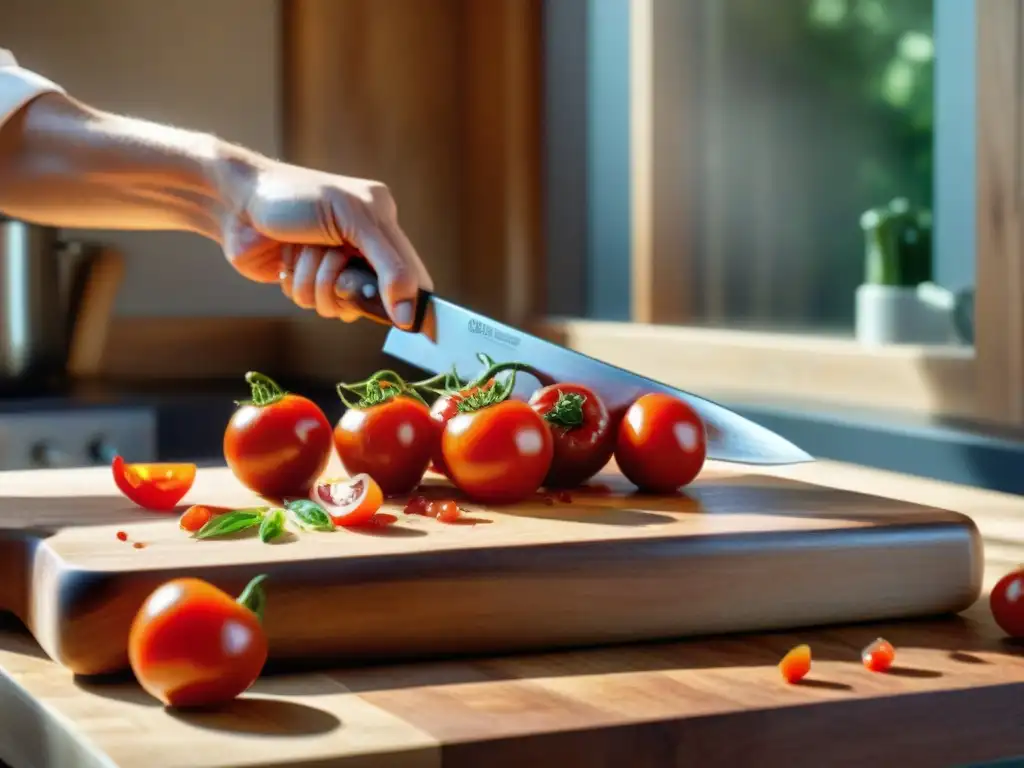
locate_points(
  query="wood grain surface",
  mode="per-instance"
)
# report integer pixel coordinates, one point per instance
(952, 698)
(604, 568)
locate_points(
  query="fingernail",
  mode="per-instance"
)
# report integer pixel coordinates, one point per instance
(403, 314)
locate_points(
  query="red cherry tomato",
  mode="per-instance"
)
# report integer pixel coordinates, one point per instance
(392, 442)
(1007, 603)
(582, 432)
(417, 505)
(442, 411)
(192, 645)
(661, 443)
(499, 453)
(156, 487)
(278, 444)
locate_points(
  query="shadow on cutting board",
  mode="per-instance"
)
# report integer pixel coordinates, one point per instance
(953, 646)
(249, 714)
(43, 515)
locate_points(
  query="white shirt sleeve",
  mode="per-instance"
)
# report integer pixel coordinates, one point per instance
(19, 86)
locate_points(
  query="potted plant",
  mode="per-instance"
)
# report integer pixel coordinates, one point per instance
(897, 260)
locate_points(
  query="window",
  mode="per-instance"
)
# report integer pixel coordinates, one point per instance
(704, 213)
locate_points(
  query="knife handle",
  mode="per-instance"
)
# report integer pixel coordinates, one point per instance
(357, 285)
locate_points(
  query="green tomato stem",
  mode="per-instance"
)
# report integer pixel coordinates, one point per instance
(265, 391)
(253, 597)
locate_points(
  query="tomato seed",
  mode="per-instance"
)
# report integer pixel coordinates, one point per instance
(122, 536)
(447, 511)
(416, 506)
(195, 517)
(138, 545)
(549, 501)
(878, 656)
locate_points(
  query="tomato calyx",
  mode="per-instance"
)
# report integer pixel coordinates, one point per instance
(253, 597)
(378, 389)
(488, 390)
(567, 411)
(265, 391)
(454, 386)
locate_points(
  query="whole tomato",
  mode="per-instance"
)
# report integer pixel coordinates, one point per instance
(442, 411)
(192, 645)
(391, 441)
(1007, 603)
(278, 443)
(582, 432)
(661, 443)
(498, 453)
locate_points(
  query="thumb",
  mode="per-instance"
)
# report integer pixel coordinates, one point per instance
(399, 287)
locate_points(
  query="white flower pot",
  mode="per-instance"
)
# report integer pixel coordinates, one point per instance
(889, 314)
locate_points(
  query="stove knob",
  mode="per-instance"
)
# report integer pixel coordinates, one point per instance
(101, 451)
(46, 455)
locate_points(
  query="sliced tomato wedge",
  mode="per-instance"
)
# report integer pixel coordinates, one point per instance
(349, 502)
(157, 487)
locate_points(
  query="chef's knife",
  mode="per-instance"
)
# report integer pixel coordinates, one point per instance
(444, 335)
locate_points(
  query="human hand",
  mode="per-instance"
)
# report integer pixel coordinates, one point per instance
(299, 227)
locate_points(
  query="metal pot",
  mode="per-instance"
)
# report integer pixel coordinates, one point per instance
(33, 309)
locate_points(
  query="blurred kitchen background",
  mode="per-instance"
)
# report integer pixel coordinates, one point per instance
(815, 174)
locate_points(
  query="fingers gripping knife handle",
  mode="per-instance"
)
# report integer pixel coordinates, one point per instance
(358, 286)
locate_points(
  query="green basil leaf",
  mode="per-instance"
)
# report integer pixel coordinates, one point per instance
(232, 522)
(310, 515)
(272, 525)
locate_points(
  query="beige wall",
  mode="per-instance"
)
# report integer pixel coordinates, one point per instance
(206, 64)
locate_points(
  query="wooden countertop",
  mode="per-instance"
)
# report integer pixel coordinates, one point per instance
(951, 700)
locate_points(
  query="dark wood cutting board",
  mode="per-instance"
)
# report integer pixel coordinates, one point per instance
(737, 552)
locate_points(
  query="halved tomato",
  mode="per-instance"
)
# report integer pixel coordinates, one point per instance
(349, 502)
(157, 487)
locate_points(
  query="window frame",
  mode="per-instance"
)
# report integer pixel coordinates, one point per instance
(985, 382)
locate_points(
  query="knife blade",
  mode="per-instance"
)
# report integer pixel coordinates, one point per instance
(444, 335)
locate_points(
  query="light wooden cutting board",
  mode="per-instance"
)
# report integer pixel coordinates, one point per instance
(737, 552)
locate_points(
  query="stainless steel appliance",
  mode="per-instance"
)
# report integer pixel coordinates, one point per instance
(42, 438)
(33, 307)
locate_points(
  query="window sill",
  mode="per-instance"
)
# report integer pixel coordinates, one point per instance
(741, 365)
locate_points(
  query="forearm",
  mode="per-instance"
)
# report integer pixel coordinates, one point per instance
(67, 165)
